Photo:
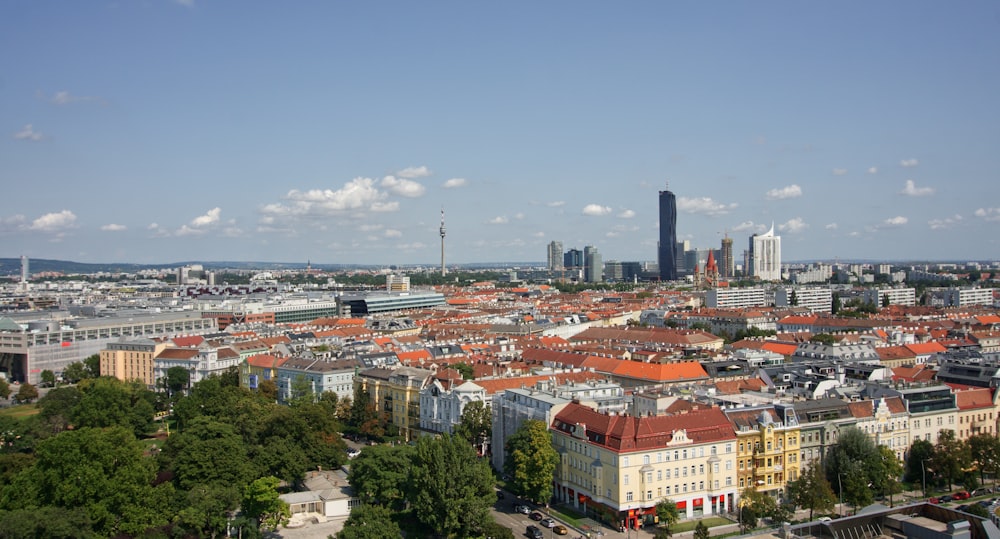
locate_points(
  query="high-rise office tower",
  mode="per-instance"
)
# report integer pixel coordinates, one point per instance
(593, 271)
(667, 246)
(25, 273)
(573, 259)
(765, 256)
(555, 258)
(726, 268)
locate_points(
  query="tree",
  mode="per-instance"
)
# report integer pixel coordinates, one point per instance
(666, 515)
(465, 369)
(985, 452)
(854, 467)
(977, 510)
(794, 299)
(917, 459)
(4, 388)
(370, 522)
(208, 452)
(823, 338)
(812, 491)
(102, 471)
(92, 365)
(48, 378)
(476, 425)
(951, 457)
(888, 482)
(261, 503)
(107, 401)
(302, 391)
(450, 489)
(753, 506)
(835, 308)
(177, 379)
(26, 393)
(380, 473)
(532, 461)
(69, 523)
(700, 530)
(206, 510)
(56, 407)
(74, 372)
(268, 389)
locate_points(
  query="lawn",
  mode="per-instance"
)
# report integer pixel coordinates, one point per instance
(689, 525)
(20, 411)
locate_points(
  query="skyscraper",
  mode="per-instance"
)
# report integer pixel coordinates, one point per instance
(765, 256)
(442, 232)
(726, 269)
(555, 256)
(667, 246)
(593, 271)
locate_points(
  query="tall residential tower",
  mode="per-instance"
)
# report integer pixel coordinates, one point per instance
(765, 256)
(667, 246)
(442, 243)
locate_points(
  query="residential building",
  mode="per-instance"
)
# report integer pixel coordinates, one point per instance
(441, 405)
(906, 297)
(962, 297)
(813, 298)
(396, 392)
(131, 359)
(727, 266)
(616, 468)
(886, 421)
(512, 408)
(767, 454)
(316, 376)
(736, 298)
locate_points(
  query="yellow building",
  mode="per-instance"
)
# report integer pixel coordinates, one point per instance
(767, 448)
(131, 360)
(396, 393)
(616, 468)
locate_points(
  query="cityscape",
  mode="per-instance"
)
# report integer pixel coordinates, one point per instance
(454, 270)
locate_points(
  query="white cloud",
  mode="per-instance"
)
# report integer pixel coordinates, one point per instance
(66, 98)
(596, 210)
(947, 222)
(357, 194)
(54, 222)
(990, 214)
(839, 171)
(382, 207)
(873, 170)
(556, 203)
(831, 226)
(454, 182)
(414, 172)
(498, 220)
(403, 187)
(626, 214)
(112, 227)
(189, 231)
(28, 133)
(907, 163)
(415, 246)
(392, 233)
(12, 223)
(370, 227)
(209, 218)
(704, 205)
(744, 226)
(233, 232)
(791, 191)
(793, 226)
(899, 220)
(912, 190)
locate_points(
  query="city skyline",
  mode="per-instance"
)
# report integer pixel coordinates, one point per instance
(194, 130)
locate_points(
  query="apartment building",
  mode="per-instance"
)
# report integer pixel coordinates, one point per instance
(131, 359)
(321, 376)
(616, 468)
(396, 392)
(767, 441)
(886, 421)
(736, 298)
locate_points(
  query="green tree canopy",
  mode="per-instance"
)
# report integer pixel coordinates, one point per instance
(951, 457)
(177, 379)
(76, 371)
(107, 401)
(92, 366)
(380, 473)
(917, 461)
(701, 530)
(102, 471)
(450, 489)
(812, 491)
(753, 506)
(26, 393)
(531, 461)
(208, 452)
(370, 522)
(667, 514)
(261, 503)
(4, 388)
(476, 425)
(48, 378)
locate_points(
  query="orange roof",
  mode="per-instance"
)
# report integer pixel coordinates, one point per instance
(653, 372)
(266, 361)
(779, 348)
(971, 399)
(414, 355)
(188, 341)
(926, 348)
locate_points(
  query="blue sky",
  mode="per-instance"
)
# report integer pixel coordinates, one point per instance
(156, 131)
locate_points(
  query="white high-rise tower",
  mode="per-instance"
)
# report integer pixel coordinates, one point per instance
(765, 256)
(25, 273)
(443, 271)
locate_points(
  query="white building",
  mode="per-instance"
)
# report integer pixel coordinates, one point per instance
(896, 296)
(813, 298)
(441, 409)
(765, 256)
(736, 298)
(960, 297)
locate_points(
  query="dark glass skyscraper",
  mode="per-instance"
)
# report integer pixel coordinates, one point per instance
(667, 248)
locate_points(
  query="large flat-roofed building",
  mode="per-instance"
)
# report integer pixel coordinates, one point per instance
(961, 297)
(736, 298)
(891, 296)
(27, 348)
(364, 304)
(816, 299)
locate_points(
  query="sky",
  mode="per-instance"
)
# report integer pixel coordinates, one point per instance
(153, 131)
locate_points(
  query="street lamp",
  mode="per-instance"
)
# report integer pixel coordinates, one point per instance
(840, 483)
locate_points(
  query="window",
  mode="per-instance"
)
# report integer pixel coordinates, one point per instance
(729, 448)
(729, 465)
(685, 487)
(625, 479)
(741, 482)
(768, 446)
(659, 492)
(668, 473)
(649, 477)
(715, 467)
(741, 464)
(659, 475)
(667, 489)
(624, 462)
(701, 469)
(685, 471)
(729, 481)
(716, 484)
(684, 454)
(645, 459)
(628, 496)
(701, 485)
(714, 450)
(649, 494)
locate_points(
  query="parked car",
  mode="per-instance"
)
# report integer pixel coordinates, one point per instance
(935, 500)
(548, 523)
(523, 509)
(946, 498)
(534, 533)
(500, 495)
(559, 529)
(535, 515)
(982, 491)
(963, 495)
(985, 503)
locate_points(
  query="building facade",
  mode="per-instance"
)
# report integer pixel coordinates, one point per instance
(667, 246)
(765, 256)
